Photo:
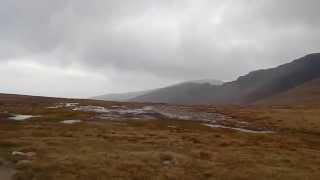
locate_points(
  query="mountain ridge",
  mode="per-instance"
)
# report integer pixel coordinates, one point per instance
(130, 96)
(247, 89)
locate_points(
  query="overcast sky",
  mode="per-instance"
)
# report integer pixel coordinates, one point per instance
(81, 48)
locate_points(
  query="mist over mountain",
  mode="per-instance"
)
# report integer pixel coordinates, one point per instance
(173, 90)
(121, 97)
(246, 89)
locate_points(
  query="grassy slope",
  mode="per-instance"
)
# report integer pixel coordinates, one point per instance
(152, 150)
(306, 94)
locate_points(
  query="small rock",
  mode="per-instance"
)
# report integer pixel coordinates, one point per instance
(27, 154)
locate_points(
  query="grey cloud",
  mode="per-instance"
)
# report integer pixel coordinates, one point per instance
(170, 40)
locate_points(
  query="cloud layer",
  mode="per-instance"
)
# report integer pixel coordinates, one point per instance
(101, 46)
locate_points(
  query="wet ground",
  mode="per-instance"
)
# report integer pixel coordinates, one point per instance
(20, 117)
(160, 112)
(150, 112)
(74, 139)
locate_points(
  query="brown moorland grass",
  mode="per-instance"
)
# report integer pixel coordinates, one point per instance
(160, 149)
(295, 119)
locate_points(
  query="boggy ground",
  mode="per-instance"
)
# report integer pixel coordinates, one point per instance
(156, 148)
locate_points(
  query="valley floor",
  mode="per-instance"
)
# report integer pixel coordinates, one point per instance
(153, 142)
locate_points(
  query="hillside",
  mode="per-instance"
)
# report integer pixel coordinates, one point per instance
(182, 93)
(266, 83)
(306, 94)
(173, 89)
(247, 89)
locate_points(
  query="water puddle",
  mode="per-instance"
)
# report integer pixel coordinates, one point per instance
(151, 112)
(62, 105)
(28, 155)
(70, 104)
(119, 112)
(55, 107)
(210, 119)
(20, 117)
(71, 121)
(95, 109)
(238, 129)
(188, 114)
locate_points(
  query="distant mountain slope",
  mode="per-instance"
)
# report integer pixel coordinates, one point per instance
(206, 81)
(246, 89)
(121, 97)
(265, 83)
(174, 89)
(306, 94)
(181, 93)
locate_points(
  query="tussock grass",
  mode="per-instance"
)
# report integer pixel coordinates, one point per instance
(101, 150)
